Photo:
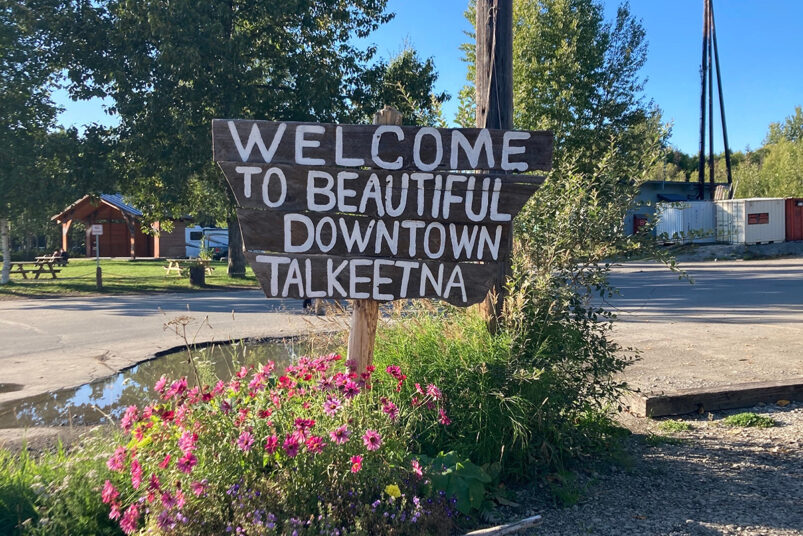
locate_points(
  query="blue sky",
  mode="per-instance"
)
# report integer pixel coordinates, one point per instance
(759, 47)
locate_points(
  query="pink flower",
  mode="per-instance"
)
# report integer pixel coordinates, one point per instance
(271, 443)
(356, 464)
(109, 493)
(245, 441)
(115, 512)
(160, 384)
(199, 488)
(340, 434)
(129, 418)
(302, 425)
(418, 389)
(315, 444)
(390, 409)
(136, 474)
(417, 469)
(331, 406)
(187, 442)
(168, 501)
(291, 446)
(176, 388)
(371, 439)
(130, 518)
(434, 392)
(186, 463)
(350, 389)
(154, 484)
(443, 418)
(165, 462)
(117, 461)
(242, 373)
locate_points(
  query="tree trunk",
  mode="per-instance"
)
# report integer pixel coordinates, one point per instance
(236, 253)
(197, 276)
(494, 95)
(4, 275)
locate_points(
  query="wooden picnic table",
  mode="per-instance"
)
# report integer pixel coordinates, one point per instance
(180, 265)
(36, 268)
(55, 259)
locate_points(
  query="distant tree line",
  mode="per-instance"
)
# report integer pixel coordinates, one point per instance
(773, 170)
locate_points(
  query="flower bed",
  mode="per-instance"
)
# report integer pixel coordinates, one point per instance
(317, 449)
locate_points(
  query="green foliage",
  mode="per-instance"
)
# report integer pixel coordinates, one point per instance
(779, 174)
(674, 427)
(790, 130)
(748, 420)
(55, 494)
(657, 440)
(406, 83)
(458, 477)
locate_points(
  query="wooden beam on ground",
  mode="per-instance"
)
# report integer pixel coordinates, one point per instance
(740, 395)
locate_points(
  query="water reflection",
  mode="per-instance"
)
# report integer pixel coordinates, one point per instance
(94, 403)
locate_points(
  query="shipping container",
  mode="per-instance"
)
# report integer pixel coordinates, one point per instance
(794, 219)
(751, 221)
(686, 222)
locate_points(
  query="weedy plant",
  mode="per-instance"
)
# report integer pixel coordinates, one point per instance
(748, 420)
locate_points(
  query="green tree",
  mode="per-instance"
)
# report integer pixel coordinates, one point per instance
(405, 82)
(27, 114)
(790, 130)
(170, 67)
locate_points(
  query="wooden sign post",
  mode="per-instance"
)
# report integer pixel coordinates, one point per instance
(375, 213)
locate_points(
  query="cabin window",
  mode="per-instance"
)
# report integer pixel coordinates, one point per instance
(758, 218)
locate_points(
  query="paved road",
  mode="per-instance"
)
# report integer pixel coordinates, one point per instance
(52, 343)
(741, 321)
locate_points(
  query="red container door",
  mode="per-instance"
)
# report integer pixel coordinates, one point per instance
(794, 219)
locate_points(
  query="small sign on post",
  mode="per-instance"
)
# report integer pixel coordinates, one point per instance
(377, 212)
(97, 230)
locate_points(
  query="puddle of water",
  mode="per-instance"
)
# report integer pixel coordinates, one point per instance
(93, 403)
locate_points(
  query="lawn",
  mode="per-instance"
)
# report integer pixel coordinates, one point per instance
(120, 276)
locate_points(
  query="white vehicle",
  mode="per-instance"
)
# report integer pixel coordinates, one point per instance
(215, 239)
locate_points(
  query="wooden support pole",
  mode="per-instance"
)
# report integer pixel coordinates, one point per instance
(365, 313)
(65, 233)
(494, 96)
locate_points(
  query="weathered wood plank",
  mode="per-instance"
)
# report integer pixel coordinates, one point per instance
(740, 395)
(344, 234)
(396, 194)
(380, 146)
(323, 276)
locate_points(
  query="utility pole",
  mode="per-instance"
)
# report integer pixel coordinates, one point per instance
(494, 97)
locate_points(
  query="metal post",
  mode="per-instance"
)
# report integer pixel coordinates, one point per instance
(721, 101)
(98, 271)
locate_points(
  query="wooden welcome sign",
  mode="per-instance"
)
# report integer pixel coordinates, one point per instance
(379, 212)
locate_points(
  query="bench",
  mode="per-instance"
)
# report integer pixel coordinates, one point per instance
(179, 266)
(37, 269)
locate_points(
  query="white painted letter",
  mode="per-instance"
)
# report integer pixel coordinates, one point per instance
(302, 142)
(255, 138)
(248, 172)
(396, 164)
(472, 151)
(495, 214)
(456, 280)
(441, 241)
(313, 190)
(379, 280)
(331, 278)
(343, 192)
(354, 279)
(266, 184)
(274, 270)
(507, 150)
(339, 159)
(428, 131)
(289, 218)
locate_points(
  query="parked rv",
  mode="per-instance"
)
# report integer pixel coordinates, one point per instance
(215, 239)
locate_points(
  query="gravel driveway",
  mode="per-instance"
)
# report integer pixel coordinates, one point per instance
(711, 480)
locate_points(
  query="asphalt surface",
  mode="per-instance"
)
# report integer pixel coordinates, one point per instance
(53, 343)
(740, 321)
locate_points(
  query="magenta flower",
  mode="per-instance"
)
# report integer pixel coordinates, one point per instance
(331, 406)
(165, 521)
(271, 444)
(245, 441)
(371, 439)
(315, 444)
(109, 493)
(350, 389)
(165, 462)
(186, 463)
(136, 474)
(187, 442)
(356, 464)
(443, 418)
(291, 446)
(168, 501)
(117, 461)
(130, 518)
(418, 471)
(129, 418)
(390, 409)
(199, 488)
(302, 425)
(340, 434)
(434, 392)
(115, 512)
(160, 383)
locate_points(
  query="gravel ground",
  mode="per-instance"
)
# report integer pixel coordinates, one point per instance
(710, 480)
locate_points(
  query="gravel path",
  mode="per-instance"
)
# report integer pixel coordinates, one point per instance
(710, 480)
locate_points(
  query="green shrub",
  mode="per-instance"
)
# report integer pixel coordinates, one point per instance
(674, 427)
